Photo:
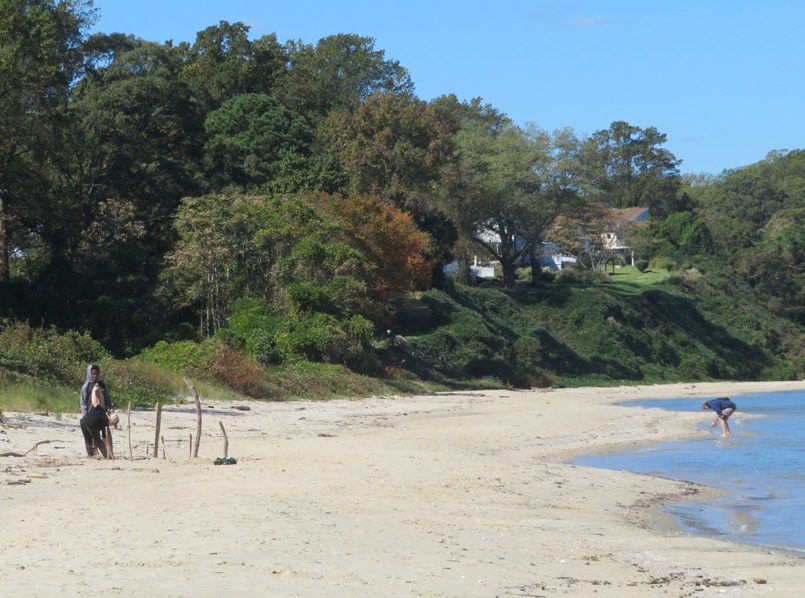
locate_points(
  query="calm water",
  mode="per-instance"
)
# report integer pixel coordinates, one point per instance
(761, 466)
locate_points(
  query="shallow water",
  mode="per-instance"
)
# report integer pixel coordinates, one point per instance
(761, 466)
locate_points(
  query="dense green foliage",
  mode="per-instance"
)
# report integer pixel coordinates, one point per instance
(41, 369)
(679, 328)
(273, 220)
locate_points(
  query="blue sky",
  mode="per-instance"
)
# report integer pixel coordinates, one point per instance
(723, 79)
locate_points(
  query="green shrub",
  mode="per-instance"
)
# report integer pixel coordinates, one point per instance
(47, 353)
(230, 368)
(526, 353)
(661, 263)
(142, 383)
(527, 360)
(316, 381)
(254, 327)
(692, 275)
(305, 296)
(272, 339)
(584, 262)
(641, 265)
(581, 276)
(184, 357)
(137, 397)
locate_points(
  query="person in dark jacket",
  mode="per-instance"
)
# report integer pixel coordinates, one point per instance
(93, 378)
(95, 420)
(723, 408)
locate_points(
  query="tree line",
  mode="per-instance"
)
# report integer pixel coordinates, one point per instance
(285, 195)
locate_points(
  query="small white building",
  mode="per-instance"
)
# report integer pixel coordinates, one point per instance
(476, 270)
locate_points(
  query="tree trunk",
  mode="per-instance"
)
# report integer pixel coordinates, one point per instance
(536, 271)
(509, 274)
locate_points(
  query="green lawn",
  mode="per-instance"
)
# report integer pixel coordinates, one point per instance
(631, 281)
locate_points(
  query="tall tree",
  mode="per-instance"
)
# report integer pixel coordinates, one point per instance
(39, 59)
(249, 137)
(493, 191)
(138, 133)
(214, 262)
(585, 232)
(130, 150)
(392, 145)
(626, 166)
(223, 63)
(395, 251)
(777, 263)
(338, 73)
(558, 171)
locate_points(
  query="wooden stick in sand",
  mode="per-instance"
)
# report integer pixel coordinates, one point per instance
(128, 425)
(226, 440)
(198, 415)
(156, 434)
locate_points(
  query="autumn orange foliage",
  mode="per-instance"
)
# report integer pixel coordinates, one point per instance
(388, 238)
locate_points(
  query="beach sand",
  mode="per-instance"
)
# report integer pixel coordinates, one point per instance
(449, 495)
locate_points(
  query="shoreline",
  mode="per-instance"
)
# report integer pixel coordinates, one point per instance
(686, 520)
(453, 494)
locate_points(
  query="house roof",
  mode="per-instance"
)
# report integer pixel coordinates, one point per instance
(616, 217)
(629, 215)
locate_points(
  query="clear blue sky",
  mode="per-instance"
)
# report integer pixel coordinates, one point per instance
(723, 79)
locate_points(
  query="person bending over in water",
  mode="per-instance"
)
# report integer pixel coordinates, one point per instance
(723, 408)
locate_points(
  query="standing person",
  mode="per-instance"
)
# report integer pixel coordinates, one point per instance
(93, 378)
(723, 408)
(95, 420)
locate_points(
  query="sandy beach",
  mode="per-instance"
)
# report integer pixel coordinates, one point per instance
(448, 495)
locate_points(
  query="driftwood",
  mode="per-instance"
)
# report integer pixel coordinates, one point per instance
(34, 447)
(226, 440)
(16, 454)
(156, 434)
(198, 415)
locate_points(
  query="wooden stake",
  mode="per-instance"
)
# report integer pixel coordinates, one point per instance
(164, 450)
(226, 440)
(128, 425)
(156, 434)
(190, 448)
(198, 415)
